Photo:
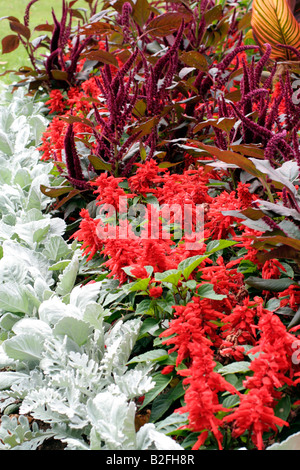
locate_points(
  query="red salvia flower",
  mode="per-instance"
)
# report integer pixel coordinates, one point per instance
(201, 397)
(139, 272)
(155, 292)
(109, 192)
(255, 415)
(271, 269)
(146, 177)
(290, 297)
(88, 235)
(56, 102)
(167, 370)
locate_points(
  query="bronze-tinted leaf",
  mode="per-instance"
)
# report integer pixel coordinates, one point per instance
(97, 27)
(44, 27)
(139, 109)
(245, 21)
(77, 14)
(250, 150)
(225, 124)
(253, 214)
(234, 95)
(194, 59)
(166, 23)
(10, 43)
(19, 28)
(99, 164)
(282, 252)
(71, 119)
(277, 240)
(71, 194)
(10, 18)
(59, 75)
(232, 157)
(101, 56)
(213, 14)
(54, 191)
(141, 12)
(145, 126)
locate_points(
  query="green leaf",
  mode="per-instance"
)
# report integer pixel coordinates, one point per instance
(14, 298)
(240, 367)
(161, 382)
(171, 276)
(162, 403)
(76, 329)
(56, 248)
(246, 266)
(24, 347)
(274, 285)
(172, 422)
(60, 265)
(207, 291)
(218, 245)
(283, 409)
(149, 326)
(166, 303)
(98, 164)
(231, 401)
(296, 319)
(128, 270)
(188, 265)
(144, 307)
(141, 284)
(68, 277)
(156, 355)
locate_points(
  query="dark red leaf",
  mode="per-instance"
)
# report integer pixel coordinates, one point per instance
(101, 56)
(71, 119)
(10, 18)
(44, 27)
(10, 43)
(166, 23)
(19, 28)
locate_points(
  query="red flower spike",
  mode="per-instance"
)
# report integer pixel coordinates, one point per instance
(155, 292)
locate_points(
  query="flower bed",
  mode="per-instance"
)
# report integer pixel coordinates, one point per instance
(149, 269)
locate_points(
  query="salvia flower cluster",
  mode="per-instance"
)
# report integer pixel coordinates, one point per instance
(175, 145)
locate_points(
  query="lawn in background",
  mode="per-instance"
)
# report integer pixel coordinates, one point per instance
(40, 13)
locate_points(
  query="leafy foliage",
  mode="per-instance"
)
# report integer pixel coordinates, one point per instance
(61, 360)
(279, 28)
(116, 333)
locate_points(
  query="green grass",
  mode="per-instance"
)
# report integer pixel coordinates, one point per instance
(40, 13)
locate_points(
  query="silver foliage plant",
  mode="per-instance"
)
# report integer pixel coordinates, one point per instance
(60, 362)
